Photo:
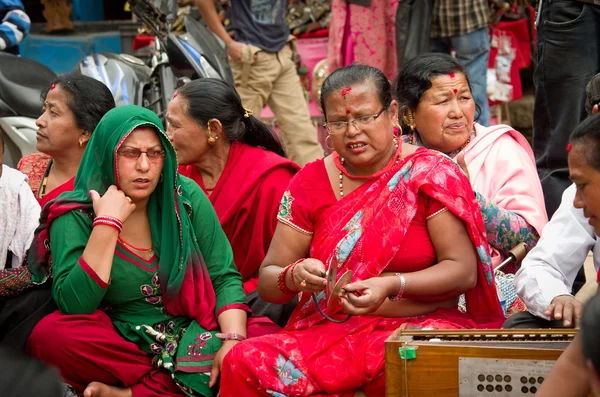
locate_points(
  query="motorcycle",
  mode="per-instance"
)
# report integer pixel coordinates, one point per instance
(174, 60)
(20, 104)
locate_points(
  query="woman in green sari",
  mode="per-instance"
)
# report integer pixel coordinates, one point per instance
(150, 299)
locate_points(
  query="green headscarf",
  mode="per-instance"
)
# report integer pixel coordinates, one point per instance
(182, 272)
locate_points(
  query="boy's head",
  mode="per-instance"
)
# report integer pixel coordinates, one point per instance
(590, 328)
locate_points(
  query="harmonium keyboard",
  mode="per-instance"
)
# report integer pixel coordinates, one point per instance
(469, 363)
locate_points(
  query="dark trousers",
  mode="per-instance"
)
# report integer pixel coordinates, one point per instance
(19, 314)
(568, 56)
(528, 320)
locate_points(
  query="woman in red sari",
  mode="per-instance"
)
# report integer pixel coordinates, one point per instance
(403, 219)
(239, 163)
(73, 106)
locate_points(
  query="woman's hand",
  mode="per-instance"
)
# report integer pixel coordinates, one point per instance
(309, 276)
(364, 297)
(218, 362)
(114, 203)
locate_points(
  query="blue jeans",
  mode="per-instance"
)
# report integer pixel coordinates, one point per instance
(568, 56)
(473, 51)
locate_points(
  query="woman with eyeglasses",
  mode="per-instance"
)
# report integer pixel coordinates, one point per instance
(437, 111)
(385, 210)
(150, 299)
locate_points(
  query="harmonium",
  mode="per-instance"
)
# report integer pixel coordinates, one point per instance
(469, 363)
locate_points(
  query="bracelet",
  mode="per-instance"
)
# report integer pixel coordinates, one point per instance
(281, 278)
(398, 296)
(230, 336)
(292, 267)
(108, 221)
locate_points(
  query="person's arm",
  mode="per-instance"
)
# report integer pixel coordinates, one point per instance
(569, 376)
(505, 229)
(209, 15)
(549, 270)
(82, 256)
(14, 27)
(437, 285)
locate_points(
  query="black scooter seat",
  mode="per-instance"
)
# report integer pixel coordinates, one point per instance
(21, 82)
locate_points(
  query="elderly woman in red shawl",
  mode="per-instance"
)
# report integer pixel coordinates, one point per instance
(239, 163)
(403, 219)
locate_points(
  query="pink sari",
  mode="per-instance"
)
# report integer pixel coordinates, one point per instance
(361, 232)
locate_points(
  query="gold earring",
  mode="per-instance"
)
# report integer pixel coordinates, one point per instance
(326, 145)
(211, 139)
(80, 144)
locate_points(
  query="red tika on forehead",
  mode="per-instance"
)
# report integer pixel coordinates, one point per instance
(451, 74)
(569, 147)
(53, 86)
(175, 94)
(347, 111)
(346, 91)
(455, 90)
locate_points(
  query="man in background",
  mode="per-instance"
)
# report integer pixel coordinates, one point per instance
(261, 58)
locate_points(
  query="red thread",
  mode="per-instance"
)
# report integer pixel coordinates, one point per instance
(346, 91)
(569, 147)
(451, 74)
(53, 86)
(347, 111)
(455, 90)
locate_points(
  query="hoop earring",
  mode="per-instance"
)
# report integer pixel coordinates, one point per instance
(399, 127)
(326, 145)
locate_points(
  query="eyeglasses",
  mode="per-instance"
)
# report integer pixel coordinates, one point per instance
(339, 127)
(134, 154)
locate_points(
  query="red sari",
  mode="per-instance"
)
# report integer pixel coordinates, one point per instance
(360, 232)
(36, 166)
(246, 199)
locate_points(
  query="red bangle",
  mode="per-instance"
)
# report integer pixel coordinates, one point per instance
(108, 221)
(230, 336)
(292, 267)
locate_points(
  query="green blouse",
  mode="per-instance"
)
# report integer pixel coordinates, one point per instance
(132, 298)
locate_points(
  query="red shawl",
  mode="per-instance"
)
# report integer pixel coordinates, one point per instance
(363, 230)
(246, 200)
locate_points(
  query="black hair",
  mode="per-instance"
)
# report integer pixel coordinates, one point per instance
(357, 74)
(415, 78)
(590, 327)
(210, 98)
(592, 94)
(588, 134)
(88, 99)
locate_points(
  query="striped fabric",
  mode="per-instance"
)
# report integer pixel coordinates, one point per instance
(452, 18)
(14, 23)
